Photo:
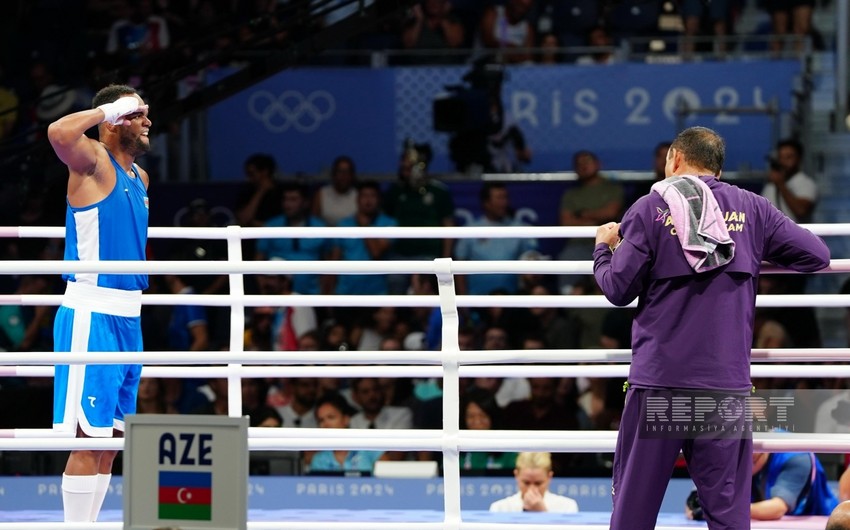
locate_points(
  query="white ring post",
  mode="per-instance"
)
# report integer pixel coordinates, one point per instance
(451, 392)
(237, 323)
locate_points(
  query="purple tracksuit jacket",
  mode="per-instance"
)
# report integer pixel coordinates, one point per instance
(696, 330)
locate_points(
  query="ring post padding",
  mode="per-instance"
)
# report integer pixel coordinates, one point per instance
(237, 322)
(451, 392)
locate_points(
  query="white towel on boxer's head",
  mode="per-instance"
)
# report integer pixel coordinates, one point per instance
(698, 220)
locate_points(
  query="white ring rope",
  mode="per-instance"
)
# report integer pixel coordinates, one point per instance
(322, 267)
(405, 357)
(450, 364)
(398, 232)
(601, 370)
(285, 438)
(302, 300)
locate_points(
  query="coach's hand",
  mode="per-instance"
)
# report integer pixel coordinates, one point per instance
(609, 233)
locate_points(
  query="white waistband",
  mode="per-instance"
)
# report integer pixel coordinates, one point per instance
(104, 300)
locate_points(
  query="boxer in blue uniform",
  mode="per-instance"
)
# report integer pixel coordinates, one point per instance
(692, 330)
(106, 219)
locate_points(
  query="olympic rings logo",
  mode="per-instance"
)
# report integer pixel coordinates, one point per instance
(292, 109)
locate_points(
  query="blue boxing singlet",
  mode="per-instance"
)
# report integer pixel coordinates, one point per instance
(116, 228)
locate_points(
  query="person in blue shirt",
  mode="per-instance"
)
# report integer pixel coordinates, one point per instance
(187, 328)
(333, 411)
(363, 249)
(783, 484)
(295, 213)
(789, 484)
(495, 203)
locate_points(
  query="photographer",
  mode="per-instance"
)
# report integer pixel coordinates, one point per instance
(788, 188)
(783, 484)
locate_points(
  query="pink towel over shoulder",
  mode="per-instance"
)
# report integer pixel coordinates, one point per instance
(698, 220)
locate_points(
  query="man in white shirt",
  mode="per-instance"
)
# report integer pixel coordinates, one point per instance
(369, 397)
(533, 474)
(788, 188)
(300, 411)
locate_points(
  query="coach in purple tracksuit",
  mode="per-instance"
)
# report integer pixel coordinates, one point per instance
(692, 332)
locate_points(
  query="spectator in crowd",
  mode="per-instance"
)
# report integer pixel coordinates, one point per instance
(507, 29)
(310, 341)
(335, 336)
(718, 13)
(530, 280)
(417, 200)
(398, 391)
(258, 335)
(557, 330)
(368, 395)
(254, 392)
(603, 44)
(288, 322)
(300, 411)
(790, 18)
(542, 411)
(368, 336)
(187, 328)
(198, 213)
(215, 391)
(432, 26)
(138, 31)
(23, 327)
(549, 49)
(496, 208)
(264, 416)
(788, 187)
(589, 319)
(151, 398)
(334, 412)
(260, 198)
(337, 200)
(800, 324)
(479, 411)
(368, 213)
(508, 389)
(533, 473)
(659, 159)
(295, 213)
(596, 200)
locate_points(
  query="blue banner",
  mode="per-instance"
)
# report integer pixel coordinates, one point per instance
(288, 492)
(306, 117)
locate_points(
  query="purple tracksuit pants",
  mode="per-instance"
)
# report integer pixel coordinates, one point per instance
(719, 464)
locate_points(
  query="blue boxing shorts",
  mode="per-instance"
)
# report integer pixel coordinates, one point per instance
(96, 397)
